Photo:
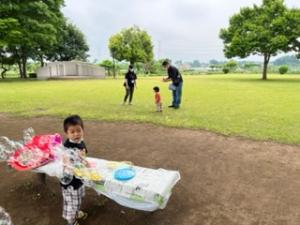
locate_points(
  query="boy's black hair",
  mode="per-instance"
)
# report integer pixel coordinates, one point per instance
(130, 66)
(165, 63)
(72, 121)
(156, 89)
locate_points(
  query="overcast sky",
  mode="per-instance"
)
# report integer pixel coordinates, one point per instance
(180, 29)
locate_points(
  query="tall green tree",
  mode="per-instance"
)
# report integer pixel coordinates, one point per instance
(6, 61)
(8, 33)
(71, 44)
(266, 30)
(133, 45)
(58, 22)
(31, 26)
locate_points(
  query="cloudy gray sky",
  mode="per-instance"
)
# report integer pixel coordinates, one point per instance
(180, 29)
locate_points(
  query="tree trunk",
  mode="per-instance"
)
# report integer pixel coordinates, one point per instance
(24, 62)
(266, 62)
(42, 61)
(3, 72)
(20, 69)
(114, 68)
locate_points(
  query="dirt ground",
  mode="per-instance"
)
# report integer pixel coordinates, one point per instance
(225, 180)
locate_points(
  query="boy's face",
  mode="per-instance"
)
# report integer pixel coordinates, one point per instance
(75, 133)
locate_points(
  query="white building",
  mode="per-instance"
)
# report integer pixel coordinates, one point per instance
(70, 69)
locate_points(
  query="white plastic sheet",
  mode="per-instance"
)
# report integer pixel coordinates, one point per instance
(149, 190)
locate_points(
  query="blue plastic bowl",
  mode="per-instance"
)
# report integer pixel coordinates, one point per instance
(124, 174)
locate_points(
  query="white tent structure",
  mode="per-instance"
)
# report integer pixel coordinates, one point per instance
(70, 69)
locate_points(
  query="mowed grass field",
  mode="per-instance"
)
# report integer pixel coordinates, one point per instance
(241, 105)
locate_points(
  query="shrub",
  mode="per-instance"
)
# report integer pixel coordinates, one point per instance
(32, 75)
(225, 70)
(283, 69)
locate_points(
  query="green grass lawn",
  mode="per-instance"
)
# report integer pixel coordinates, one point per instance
(233, 105)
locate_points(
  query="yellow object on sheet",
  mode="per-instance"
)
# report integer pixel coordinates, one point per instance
(87, 173)
(115, 164)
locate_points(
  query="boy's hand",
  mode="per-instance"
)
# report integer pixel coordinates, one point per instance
(86, 163)
(82, 154)
(66, 160)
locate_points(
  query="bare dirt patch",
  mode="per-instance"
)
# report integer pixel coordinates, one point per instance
(225, 180)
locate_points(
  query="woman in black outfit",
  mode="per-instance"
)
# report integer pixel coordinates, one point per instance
(129, 84)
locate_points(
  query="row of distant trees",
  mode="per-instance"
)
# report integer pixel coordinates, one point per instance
(36, 30)
(290, 60)
(115, 67)
(281, 65)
